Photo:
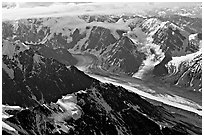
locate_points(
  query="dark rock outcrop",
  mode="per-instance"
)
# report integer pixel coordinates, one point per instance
(106, 110)
(36, 77)
(160, 69)
(124, 57)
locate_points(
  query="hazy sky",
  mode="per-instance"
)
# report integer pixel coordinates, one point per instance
(43, 9)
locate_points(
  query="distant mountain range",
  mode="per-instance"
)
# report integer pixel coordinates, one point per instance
(118, 40)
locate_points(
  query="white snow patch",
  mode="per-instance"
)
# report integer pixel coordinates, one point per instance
(151, 61)
(176, 61)
(193, 37)
(185, 14)
(7, 107)
(70, 108)
(6, 126)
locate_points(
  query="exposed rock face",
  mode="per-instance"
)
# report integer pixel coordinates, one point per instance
(160, 69)
(186, 71)
(106, 110)
(122, 43)
(122, 54)
(98, 35)
(98, 109)
(100, 18)
(189, 24)
(29, 76)
(195, 42)
(99, 39)
(62, 55)
(36, 76)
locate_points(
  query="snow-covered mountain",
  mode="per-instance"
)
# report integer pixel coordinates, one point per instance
(43, 91)
(193, 11)
(189, 24)
(186, 71)
(33, 85)
(117, 40)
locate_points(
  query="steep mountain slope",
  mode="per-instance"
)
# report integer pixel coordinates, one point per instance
(94, 36)
(37, 73)
(186, 71)
(176, 44)
(60, 54)
(54, 33)
(166, 35)
(29, 76)
(122, 54)
(35, 83)
(103, 109)
(131, 45)
(99, 39)
(189, 24)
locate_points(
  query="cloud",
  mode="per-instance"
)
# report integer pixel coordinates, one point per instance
(33, 4)
(45, 9)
